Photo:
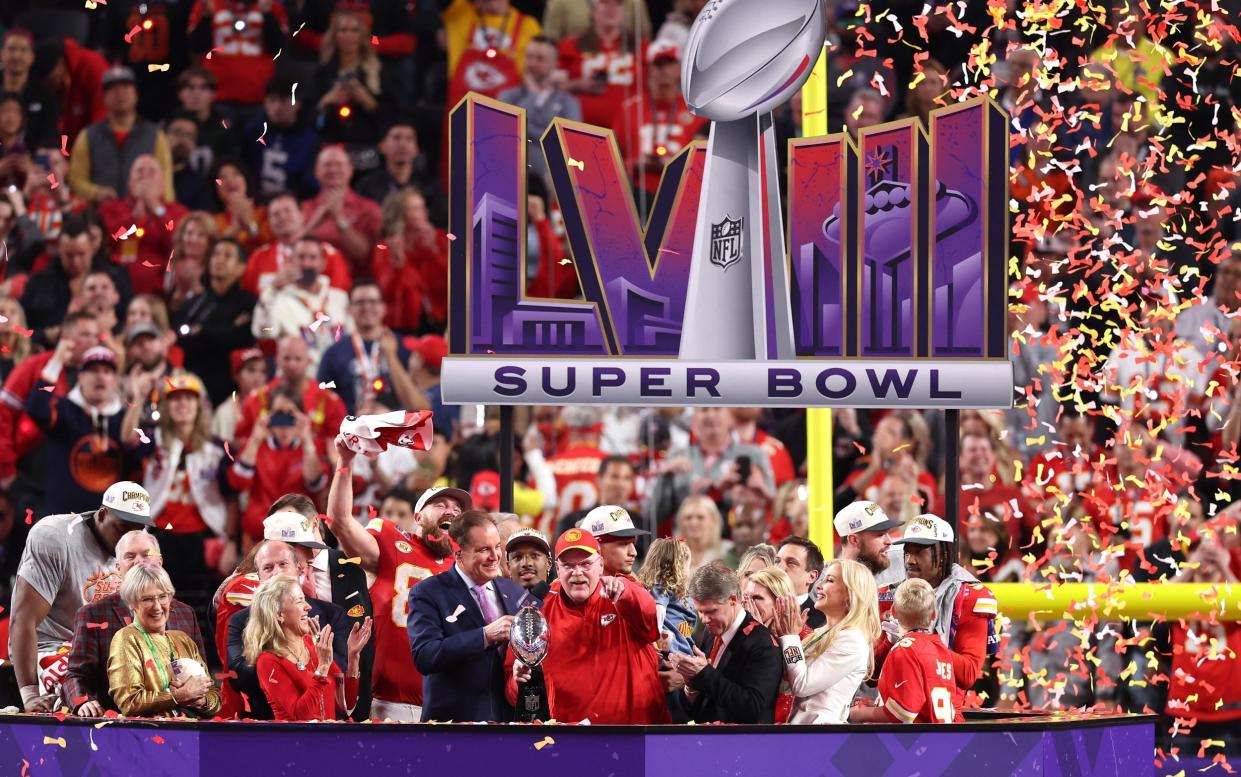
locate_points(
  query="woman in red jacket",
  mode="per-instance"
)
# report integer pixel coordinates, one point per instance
(293, 655)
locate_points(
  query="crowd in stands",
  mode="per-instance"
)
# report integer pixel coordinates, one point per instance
(223, 231)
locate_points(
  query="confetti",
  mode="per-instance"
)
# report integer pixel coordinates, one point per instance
(129, 36)
(351, 560)
(60, 741)
(565, 261)
(100, 625)
(142, 437)
(580, 165)
(209, 53)
(331, 384)
(453, 617)
(157, 739)
(164, 68)
(64, 145)
(544, 742)
(293, 94)
(52, 182)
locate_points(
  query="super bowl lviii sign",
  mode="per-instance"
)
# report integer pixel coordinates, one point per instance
(890, 289)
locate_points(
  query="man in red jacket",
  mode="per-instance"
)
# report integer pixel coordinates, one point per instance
(18, 434)
(601, 664)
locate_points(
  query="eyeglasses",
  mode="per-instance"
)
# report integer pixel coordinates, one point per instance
(162, 599)
(581, 566)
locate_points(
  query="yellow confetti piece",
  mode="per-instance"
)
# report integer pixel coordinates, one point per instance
(353, 560)
(579, 164)
(565, 261)
(845, 76)
(91, 5)
(55, 741)
(544, 743)
(158, 68)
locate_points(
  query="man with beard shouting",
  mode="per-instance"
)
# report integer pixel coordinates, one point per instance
(399, 549)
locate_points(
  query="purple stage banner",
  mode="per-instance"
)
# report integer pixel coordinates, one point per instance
(1120, 746)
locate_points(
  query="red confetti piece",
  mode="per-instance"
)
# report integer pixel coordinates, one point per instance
(64, 145)
(209, 53)
(29, 516)
(129, 36)
(227, 452)
(157, 739)
(374, 40)
(51, 179)
(102, 625)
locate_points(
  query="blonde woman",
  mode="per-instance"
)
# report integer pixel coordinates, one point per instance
(350, 82)
(825, 669)
(13, 346)
(756, 558)
(698, 523)
(292, 655)
(151, 670)
(665, 573)
(760, 596)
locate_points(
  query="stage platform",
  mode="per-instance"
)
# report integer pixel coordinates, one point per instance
(985, 746)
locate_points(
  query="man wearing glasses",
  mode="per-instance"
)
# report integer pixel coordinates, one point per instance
(601, 663)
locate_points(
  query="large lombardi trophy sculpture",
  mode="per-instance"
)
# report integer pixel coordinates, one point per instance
(743, 59)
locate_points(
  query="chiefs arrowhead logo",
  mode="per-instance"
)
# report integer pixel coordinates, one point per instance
(606, 619)
(356, 611)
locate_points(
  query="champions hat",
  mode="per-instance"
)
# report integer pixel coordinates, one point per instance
(529, 536)
(577, 539)
(129, 501)
(462, 497)
(293, 528)
(926, 529)
(862, 516)
(610, 521)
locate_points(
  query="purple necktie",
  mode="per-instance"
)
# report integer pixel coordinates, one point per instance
(484, 601)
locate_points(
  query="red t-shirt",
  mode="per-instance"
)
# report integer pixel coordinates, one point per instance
(271, 257)
(239, 60)
(403, 562)
(601, 663)
(296, 694)
(577, 478)
(917, 683)
(618, 69)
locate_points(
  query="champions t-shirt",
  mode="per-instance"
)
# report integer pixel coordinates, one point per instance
(65, 563)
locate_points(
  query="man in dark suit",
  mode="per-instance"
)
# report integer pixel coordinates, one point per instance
(802, 560)
(276, 558)
(734, 674)
(293, 518)
(459, 623)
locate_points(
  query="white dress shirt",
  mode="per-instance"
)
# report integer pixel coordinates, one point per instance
(823, 686)
(489, 588)
(323, 581)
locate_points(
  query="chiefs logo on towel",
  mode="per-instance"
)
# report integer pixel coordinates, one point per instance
(370, 435)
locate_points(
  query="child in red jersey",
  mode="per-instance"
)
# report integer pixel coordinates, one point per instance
(917, 683)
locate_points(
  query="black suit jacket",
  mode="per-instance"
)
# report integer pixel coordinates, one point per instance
(247, 680)
(743, 688)
(462, 677)
(349, 592)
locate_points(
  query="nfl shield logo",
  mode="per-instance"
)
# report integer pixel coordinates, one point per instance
(726, 242)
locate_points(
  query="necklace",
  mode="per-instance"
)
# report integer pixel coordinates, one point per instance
(172, 655)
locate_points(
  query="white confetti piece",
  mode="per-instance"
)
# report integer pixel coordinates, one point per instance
(453, 618)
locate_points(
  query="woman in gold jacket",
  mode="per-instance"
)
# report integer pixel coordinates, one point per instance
(153, 671)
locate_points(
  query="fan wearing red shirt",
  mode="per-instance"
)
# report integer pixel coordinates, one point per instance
(982, 492)
(239, 40)
(965, 610)
(293, 657)
(601, 664)
(284, 217)
(1203, 682)
(652, 128)
(601, 64)
(917, 683)
(576, 467)
(745, 423)
(407, 544)
(893, 446)
(323, 406)
(411, 267)
(144, 254)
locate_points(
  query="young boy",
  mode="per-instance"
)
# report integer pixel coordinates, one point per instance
(916, 684)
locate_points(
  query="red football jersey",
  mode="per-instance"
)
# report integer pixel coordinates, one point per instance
(610, 65)
(403, 561)
(647, 128)
(235, 596)
(577, 478)
(1204, 682)
(917, 683)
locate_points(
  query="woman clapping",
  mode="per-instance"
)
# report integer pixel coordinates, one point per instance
(293, 655)
(825, 669)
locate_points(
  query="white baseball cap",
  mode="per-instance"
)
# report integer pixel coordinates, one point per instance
(293, 528)
(610, 521)
(462, 497)
(130, 502)
(532, 536)
(862, 516)
(926, 529)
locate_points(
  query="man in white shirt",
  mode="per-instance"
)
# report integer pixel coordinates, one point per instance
(734, 676)
(302, 301)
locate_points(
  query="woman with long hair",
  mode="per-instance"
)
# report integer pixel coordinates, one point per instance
(698, 523)
(665, 573)
(759, 557)
(350, 84)
(293, 655)
(825, 669)
(184, 476)
(760, 595)
(191, 246)
(13, 346)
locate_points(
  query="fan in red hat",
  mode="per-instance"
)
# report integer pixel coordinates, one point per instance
(601, 661)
